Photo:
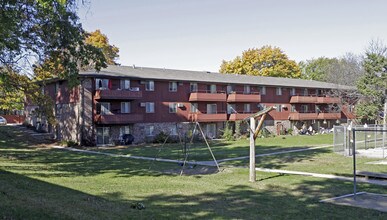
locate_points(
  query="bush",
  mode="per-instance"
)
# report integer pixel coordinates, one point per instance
(265, 133)
(227, 133)
(160, 138)
(68, 143)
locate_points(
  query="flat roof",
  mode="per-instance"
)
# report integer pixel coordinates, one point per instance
(147, 73)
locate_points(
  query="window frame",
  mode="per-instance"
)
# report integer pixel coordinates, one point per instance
(149, 107)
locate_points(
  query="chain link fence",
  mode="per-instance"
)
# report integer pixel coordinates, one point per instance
(371, 140)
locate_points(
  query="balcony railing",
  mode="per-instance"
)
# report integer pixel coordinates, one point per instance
(204, 96)
(238, 97)
(201, 117)
(118, 94)
(118, 118)
(300, 116)
(239, 116)
(314, 99)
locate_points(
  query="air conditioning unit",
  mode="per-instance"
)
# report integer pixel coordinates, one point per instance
(143, 104)
(180, 105)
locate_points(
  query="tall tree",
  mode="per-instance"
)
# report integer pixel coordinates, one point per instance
(373, 84)
(101, 41)
(33, 31)
(265, 61)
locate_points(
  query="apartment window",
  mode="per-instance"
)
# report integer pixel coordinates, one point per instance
(125, 130)
(172, 107)
(231, 109)
(173, 130)
(246, 89)
(319, 92)
(211, 109)
(293, 108)
(149, 130)
(194, 107)
(193, 87)
(211, 130)
(247, 108)
(150, 85)
(262, 90)
(149, 107)
(230, 89)
(102, 84)
(261, 106)
(172, 86)
(211, 88)
(125, 107)
(278, 91)
(305, 92)
(293, 91)
(105, 108)
(278, 108)
(125, 84)
(304, 108)
(103, 135)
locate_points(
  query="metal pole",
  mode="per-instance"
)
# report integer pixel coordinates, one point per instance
(354, 161)
(384, 126)
(252, 150)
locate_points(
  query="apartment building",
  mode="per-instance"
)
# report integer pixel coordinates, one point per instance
(146, 101)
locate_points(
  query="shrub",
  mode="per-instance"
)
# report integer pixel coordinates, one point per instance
(227, 133)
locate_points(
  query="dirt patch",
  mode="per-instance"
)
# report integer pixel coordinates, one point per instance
(362, 200)
(190, 170)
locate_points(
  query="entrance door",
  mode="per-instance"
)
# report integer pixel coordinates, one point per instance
(103, 135)
(211, 130)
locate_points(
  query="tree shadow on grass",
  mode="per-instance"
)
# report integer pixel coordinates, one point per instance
(26, 198)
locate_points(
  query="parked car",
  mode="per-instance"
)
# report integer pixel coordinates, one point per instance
(3, 121)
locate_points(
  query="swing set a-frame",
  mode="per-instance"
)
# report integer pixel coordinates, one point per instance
(254, 131)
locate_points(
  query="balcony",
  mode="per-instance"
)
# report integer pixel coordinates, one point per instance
(118, 94)
(303, 99)
(118, 119)
(207, 97)
(297, 116)
(200, 117)
(328, 100)
(330, 115)
(235, 97)
(237, 117)
(314, 99)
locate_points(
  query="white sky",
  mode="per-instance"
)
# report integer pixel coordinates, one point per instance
(199, 34)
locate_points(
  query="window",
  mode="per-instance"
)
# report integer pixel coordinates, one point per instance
(101, 84)
(172, 107)
(211, 88)
(230, 89)
(278, 91)
(125, 84)
(293, 108)
(262, 90)
(125, 107)
(304, 108)
(150, 85)
(261, 106)
(149, 130)
(293, 91)
(211, 109)
(173, 130)
(247, 108)
(149, 107)
(172, 86)
(194, 107)
(278, 108)
(319, 92)
(246, 89)
(193, 87)
(125, 130)
(211, 130)
(305, 92)
(105, 108)
(231, 109)
(103, 135)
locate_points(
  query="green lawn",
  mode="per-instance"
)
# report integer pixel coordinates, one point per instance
(41, 183)
(222, 149)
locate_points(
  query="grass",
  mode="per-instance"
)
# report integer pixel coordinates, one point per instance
(44, 183)
(222, 149)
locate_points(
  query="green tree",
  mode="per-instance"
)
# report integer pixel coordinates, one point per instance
(33, 31)
(373, 84)
(265, 61)
(101, 41)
